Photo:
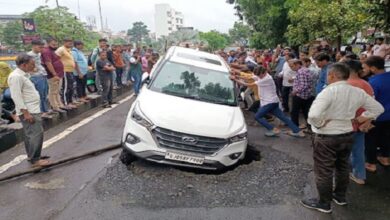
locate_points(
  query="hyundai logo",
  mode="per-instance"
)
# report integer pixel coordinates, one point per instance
(189, 140)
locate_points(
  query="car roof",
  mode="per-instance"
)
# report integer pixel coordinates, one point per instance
(197, 58)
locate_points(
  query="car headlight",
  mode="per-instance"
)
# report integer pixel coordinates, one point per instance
(238, 138)
(140, 118)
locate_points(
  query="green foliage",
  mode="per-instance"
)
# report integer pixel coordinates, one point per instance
(119, 41)
(240, 33)
(335, 20)
(379, 14)
(215, 40)
(139, 32)
(268, 18)
(57, 22)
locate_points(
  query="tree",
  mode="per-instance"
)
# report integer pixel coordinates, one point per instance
(119, 41)
(334, 20)
(240, 33)
(268, 19)
(139, 32)
(214, 39)
(379, 14)
(57, 22)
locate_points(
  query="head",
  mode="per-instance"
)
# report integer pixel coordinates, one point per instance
(303, 54)
(362, 57)
(79, 45)
(103, 55)
(25, 63)
(369, 47)
(338, 72)
(260, 72)
(306, 62)
(102, 43)
(379, 40)
(242, 57)
(289, 56)
(374, 65)
(68, 43)
(52, 43)
(37, 46)
(355, 67)
(286, 51)
(295, 64)
(340, 55)
(147, 55)
(118, 48)
(322, 59)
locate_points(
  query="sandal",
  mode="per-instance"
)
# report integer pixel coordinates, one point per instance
(371, 167)
(40, 163)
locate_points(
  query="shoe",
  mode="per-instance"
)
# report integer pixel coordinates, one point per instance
(46, 115)
(40, 163)
(113, 103)
(316, 205)
(371, 167)
(356, 180)
(59, 110)
(106, 105)
(297, 135)
(339, 201)
(273, 133)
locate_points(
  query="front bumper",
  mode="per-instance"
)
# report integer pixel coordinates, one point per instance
(147, 148)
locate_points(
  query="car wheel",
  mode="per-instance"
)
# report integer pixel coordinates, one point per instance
(127, 158)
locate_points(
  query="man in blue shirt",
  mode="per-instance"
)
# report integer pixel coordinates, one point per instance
(378, 137)
(81, 70)
(323, 62)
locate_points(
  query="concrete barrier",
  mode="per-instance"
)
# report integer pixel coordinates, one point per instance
(12, 134)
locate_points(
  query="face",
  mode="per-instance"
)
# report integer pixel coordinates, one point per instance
(103, 56)
(37, 48)
(286, 52)
(321, 63)
(295, 67)
(80, 47)
(366, 70)
(362, 58)
(302, 56)
(103, 44)
(68, 44)
(331, 78)
(28, 67)
(53, 44)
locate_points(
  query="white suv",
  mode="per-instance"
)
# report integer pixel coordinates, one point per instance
(187, 114)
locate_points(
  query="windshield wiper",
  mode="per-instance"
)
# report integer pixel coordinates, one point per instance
(181, 95)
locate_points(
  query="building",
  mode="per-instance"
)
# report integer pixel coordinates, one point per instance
(167, 20)
(4, 19)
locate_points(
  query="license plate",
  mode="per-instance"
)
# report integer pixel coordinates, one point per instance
(184, 158)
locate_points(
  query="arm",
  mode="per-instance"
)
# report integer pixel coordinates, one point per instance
(77, 68)
(15, 86)
(373, 109)
(50, 67)
(316, 113)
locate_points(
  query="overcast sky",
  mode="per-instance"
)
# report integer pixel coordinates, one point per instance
(203, 15)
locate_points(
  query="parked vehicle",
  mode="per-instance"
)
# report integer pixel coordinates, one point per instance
(187, 114)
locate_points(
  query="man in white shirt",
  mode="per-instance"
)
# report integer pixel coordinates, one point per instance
(331, 117)
(269, 101)
(288, 79)
(27, 105)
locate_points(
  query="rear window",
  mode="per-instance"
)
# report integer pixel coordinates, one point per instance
(198, 58)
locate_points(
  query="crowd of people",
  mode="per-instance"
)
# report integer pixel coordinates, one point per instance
(50, 80)
(342, 98)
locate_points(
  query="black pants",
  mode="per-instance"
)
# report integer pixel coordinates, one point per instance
(331, 156)
(255, 106)
(298, 105)
(119, 73)
(286, 90)
(67, 88)
(378, 137)
(106, 80)
(81, 85)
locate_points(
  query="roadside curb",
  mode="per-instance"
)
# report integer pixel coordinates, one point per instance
(13, 133)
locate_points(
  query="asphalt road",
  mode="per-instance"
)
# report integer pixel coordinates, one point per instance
(102, 188)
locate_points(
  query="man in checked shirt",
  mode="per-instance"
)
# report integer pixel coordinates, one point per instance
(302, 91)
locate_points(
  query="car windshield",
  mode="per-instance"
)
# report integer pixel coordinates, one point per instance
(195, 83)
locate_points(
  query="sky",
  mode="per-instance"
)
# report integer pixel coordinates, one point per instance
(204, 15)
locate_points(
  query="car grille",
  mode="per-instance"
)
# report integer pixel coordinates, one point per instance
(185, 142)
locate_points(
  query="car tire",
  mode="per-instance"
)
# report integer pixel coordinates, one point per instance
(127, 158)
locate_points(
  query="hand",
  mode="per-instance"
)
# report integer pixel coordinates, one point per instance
(293, 93)
(291, 80)
(28, 117)
(81, 76)
(361, 119)
(366, 126)
(56, 78)
(232, 77)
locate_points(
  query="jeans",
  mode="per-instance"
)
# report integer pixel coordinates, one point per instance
(357, 156)
(42, 86)
(286, 90)
(81, 86)
(67, 88)
(137, 83)
(106, 80)
(274, 109)
(299, 105)
(119, 73)
(378, 137)
(331, 156)
(33, 137)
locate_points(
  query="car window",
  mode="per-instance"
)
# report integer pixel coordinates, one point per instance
(195, 83)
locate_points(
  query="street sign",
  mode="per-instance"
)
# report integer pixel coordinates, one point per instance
(28, 25)
(27, 39)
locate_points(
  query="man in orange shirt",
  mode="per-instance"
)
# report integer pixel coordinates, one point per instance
(118, 63)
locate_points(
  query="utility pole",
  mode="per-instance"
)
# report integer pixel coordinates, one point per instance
(101, 17)
(58, 5)
(78, 6)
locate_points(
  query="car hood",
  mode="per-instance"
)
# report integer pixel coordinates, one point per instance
(191, 116)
